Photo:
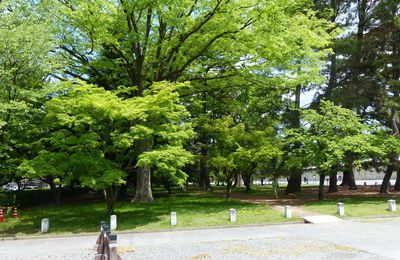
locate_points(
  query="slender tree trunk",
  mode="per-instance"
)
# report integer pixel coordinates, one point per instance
(262, 181)
(143, 191)
(294, 180)
(228, 186)
(386, 180)
(110, 196)
(204, 171)
(321, 186)
(333, 181)
(397, 184)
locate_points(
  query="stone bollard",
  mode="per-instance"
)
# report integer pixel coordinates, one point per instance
(340, 208)
(45, 225)
(232, 215)
(113, 222)
(113, 247)
(173, 218)
(392, 205)
(288, 212)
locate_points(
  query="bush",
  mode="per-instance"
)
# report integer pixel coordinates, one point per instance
(30, 198)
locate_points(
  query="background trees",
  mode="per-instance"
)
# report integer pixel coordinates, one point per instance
(113, 92)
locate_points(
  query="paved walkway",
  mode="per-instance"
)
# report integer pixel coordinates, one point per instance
(372, 239)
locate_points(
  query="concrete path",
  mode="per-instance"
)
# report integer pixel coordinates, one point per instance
(372, 239)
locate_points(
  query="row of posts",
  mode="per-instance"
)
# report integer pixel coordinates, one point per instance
(288, 212)
(340, 207)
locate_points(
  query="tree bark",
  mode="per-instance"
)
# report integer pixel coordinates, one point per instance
(346, 177)
(321, 186)
(397, 184)
(352, 180)
(204, 172)
(110, 196)
(247, 180)
(143, 191)
(386, 180)
(228, 185)
(294, 182)
(333, 181)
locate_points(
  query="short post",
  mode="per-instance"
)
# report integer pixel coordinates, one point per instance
(340, 208)
(173, 218)
(288, 212)
(392, 205)
(365, 183)
(113, 222)
(376, 183)
(113, 247)
(232, 215)
(45, 225)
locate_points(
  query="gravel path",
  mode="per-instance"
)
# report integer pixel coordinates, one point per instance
(371, 239)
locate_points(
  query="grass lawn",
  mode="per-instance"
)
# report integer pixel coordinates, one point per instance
(193, 210)
(354, 206)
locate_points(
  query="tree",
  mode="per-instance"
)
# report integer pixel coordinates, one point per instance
(331, 137)
(25, 63)
(136, 43)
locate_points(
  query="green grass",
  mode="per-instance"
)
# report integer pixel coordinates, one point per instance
(354, 207)
(192, 211)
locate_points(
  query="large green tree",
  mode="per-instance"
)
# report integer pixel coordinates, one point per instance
(25, 63)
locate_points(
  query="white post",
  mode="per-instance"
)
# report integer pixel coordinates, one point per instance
(173, 218)
(232, 215)
(288, 212)
(113, 222)
(45, 225)
(340, 208)
(392, 205)
(113, 247)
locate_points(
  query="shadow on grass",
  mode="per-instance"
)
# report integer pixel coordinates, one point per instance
(86, 217)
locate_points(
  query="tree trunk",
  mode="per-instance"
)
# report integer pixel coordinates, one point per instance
(321, 186)
(397, 184)
(294, 182)
(228, 186)
(247, 180)
(352, 180)
(110, 196)
(333, 181)
(346, 177)
(204, 172)
(143, 191)
(386, 179)
(236, 180)
(262, 181)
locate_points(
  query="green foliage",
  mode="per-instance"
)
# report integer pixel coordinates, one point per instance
(25, 62)
(333, 136)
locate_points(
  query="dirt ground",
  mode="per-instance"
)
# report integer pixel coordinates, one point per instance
(310, 194)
